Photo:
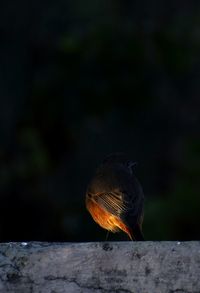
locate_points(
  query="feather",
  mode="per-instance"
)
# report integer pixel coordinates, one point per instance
(112, 202)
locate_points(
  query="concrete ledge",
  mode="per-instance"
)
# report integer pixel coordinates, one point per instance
(123, 267)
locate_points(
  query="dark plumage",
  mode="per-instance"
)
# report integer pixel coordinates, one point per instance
(115, 198)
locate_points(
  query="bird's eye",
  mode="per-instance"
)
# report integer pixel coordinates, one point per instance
(89, 195)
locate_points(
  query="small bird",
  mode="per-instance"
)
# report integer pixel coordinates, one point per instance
(115, 198)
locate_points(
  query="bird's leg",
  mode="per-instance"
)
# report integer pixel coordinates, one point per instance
(107, 234)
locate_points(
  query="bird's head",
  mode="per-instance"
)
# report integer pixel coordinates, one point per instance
(121, 159)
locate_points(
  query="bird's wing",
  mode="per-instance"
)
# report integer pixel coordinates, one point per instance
(113, 202)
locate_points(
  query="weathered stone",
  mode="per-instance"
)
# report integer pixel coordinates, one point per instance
(123, 267)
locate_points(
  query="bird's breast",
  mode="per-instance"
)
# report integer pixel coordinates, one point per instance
(105, 219)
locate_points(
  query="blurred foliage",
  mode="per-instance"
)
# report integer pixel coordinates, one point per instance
(81, 80)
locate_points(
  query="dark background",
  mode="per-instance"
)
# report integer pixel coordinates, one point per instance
(80, 80)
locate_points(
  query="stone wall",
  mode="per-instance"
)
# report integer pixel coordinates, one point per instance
(147, 267)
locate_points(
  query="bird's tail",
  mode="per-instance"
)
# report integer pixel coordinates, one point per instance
(136, 233)
(133, 234)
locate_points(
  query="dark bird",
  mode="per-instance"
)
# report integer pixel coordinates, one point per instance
(115, 198)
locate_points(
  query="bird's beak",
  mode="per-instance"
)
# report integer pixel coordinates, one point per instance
(131, 166)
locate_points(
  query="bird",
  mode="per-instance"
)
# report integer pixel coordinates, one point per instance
(115, 198)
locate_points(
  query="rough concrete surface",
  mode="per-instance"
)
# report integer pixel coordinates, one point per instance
(122, 267)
